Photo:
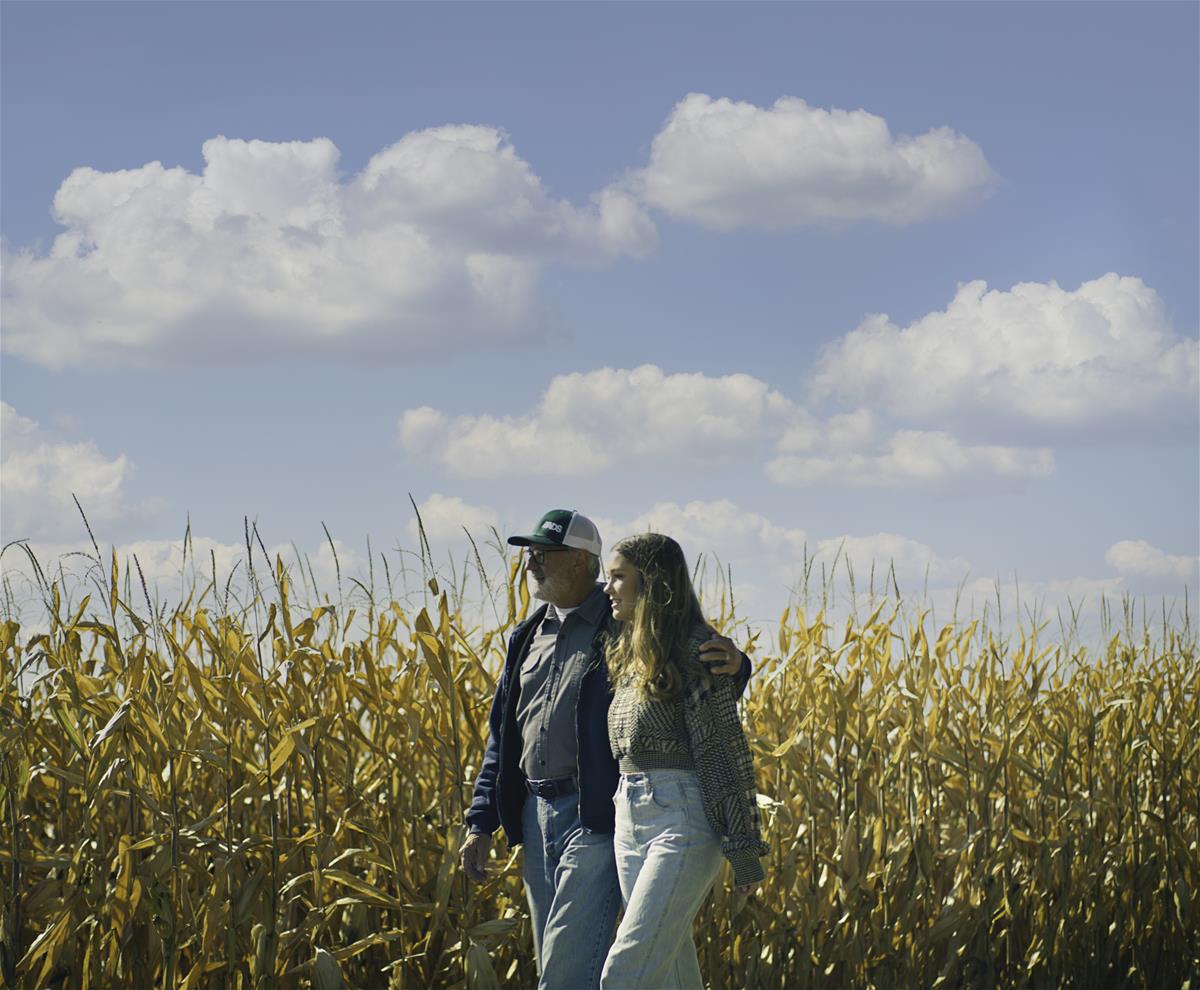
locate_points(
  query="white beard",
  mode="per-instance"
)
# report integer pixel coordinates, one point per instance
(550, 589)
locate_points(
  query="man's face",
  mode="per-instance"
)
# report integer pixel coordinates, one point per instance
(555, 573)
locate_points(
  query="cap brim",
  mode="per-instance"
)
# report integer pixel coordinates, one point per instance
(530, 541)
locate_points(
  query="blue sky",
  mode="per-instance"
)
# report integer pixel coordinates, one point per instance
(915, 279)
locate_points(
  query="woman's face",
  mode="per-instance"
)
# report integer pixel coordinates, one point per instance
(622, 587)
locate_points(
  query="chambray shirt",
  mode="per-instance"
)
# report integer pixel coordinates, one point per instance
(550, 677)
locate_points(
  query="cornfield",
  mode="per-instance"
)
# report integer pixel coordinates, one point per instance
(269, 794)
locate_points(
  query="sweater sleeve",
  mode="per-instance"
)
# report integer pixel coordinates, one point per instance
(725, 769)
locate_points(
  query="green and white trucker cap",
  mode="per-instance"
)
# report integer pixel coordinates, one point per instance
(562, 528)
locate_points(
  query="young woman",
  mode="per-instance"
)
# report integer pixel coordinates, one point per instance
(687, 794)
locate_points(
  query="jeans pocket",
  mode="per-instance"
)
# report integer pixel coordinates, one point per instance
(666, 795)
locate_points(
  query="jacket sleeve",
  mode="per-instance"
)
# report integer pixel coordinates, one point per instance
(484, 814)
(742, 677)
(725, 769)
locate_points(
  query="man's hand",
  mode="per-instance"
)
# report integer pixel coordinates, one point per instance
(745, 889)
(722, 656)
(474, 854)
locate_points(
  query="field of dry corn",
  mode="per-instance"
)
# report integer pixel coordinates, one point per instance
(269, 794)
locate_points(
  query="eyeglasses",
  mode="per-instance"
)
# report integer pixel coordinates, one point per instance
(538, 556)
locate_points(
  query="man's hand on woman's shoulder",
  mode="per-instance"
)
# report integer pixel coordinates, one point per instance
(721, 655)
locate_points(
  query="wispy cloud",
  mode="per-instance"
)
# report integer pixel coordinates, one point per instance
(914, 458)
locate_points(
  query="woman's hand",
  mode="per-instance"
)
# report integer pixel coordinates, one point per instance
(745, 889)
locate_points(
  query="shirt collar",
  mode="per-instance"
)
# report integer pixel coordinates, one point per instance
(593, 608)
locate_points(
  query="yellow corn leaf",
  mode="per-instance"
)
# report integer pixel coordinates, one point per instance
(69, 727)
(362, 888)
(490, 929)
(431, 650)
(120, 717)
(481, 975)
(327, 974)
(48, 941)
(282, 751)
(126, 892)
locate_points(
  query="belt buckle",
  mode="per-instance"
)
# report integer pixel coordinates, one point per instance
(548, 788)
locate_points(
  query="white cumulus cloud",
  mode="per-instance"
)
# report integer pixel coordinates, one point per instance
(586, 422)
(440, 239)
(39, 475)
(446, 516)
(885, 552)
(764, 558)
(174, 570)
(1141, 559)
(168, 566)
(909, 458)
(589, 422)
(1034, 355)
(720, 527)
(767, 558)
(727, 164)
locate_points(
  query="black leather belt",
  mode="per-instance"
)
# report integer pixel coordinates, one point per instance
(552, 788)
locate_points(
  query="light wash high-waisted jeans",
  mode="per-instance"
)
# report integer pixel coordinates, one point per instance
(667, 859)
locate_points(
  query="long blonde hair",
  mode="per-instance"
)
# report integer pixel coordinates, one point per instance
(651, 647)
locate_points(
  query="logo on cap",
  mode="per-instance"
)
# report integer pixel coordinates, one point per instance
(562, 528)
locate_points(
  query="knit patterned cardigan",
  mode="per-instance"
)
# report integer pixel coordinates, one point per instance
(698, 730)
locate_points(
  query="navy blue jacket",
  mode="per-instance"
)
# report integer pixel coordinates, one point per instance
(500, 790)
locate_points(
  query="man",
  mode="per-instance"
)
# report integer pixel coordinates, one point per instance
(548, 775)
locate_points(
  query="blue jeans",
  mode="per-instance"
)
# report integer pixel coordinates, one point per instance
(571, 885)
(667, 859)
